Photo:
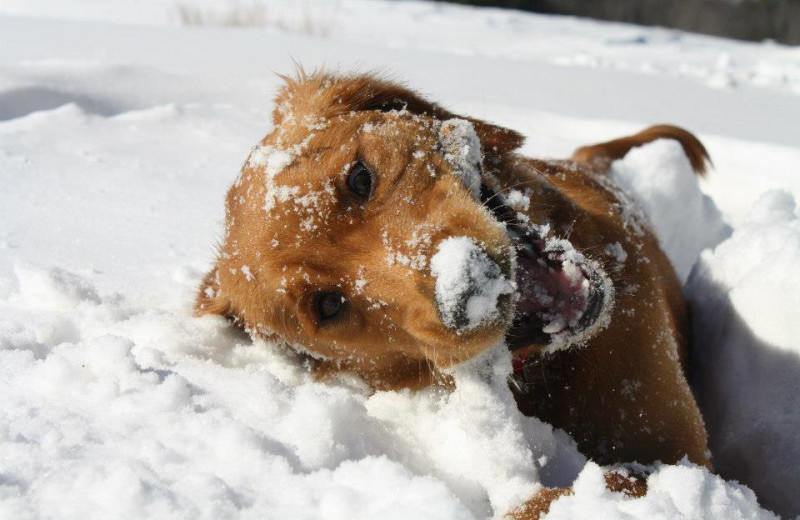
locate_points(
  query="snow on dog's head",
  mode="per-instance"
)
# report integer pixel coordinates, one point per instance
(334, 224)
(462, 149)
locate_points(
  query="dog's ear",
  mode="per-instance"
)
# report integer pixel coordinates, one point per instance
(331, 96)
(210, 299)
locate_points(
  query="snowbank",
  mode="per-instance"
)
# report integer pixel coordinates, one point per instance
(745, 295)
(660, 178)
(673, 492)
(112, 412)
(109, 411)
(744, 298)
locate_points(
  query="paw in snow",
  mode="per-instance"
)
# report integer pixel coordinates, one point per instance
(680, 491)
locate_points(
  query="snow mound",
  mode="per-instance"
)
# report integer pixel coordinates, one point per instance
(151, 413)
(479, 417)
(462, 150)
(55, 288)
(672, 492)
(110, 411)
(745, 295)
(468, 284)
(685, 220)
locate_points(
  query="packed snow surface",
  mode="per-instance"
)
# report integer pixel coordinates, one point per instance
(117, 144)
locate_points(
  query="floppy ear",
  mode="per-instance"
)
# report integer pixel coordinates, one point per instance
(331, 96)
(210, 299)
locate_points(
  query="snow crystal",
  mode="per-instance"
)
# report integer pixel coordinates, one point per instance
(462, 150)
(518, 200)
(616, 251)
(414, 249)
(273, 160)
(468, 284)
(246, 272)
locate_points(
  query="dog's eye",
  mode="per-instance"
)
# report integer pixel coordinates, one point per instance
(359, 181)
(329, 305)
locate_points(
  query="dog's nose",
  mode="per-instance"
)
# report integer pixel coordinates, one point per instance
(470, 286)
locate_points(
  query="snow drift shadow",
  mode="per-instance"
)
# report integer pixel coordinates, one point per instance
(20, 102)
(747, 390)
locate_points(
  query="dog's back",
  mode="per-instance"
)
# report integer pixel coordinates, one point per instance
(624, 395)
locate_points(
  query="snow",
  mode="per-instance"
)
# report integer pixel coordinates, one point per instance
(462, 150)
(679, 491)
(518, 200)
(451, 430)
(106, 425)
(117, 144)
(659, 177)
(747, 292)
(617, 252)
(468, 284)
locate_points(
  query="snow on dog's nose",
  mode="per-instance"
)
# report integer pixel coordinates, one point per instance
(462, 150)
(469, 284)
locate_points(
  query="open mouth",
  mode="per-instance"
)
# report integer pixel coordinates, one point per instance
(562, 297)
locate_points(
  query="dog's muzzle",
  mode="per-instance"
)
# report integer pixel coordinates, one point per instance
(562, 297)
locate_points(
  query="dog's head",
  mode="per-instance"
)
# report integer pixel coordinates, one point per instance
(359, 229)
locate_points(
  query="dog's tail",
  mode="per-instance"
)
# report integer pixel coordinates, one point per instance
(603, 154)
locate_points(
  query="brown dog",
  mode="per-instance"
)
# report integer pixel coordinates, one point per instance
(347, 224)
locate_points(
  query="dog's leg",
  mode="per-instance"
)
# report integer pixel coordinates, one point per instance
(209, 299)
(633, 485)
(539, 505)
(602, 155)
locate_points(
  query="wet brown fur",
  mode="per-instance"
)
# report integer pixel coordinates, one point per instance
(630, 485)
(623, 395)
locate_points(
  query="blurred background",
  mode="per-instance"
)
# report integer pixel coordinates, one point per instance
(777, 20)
